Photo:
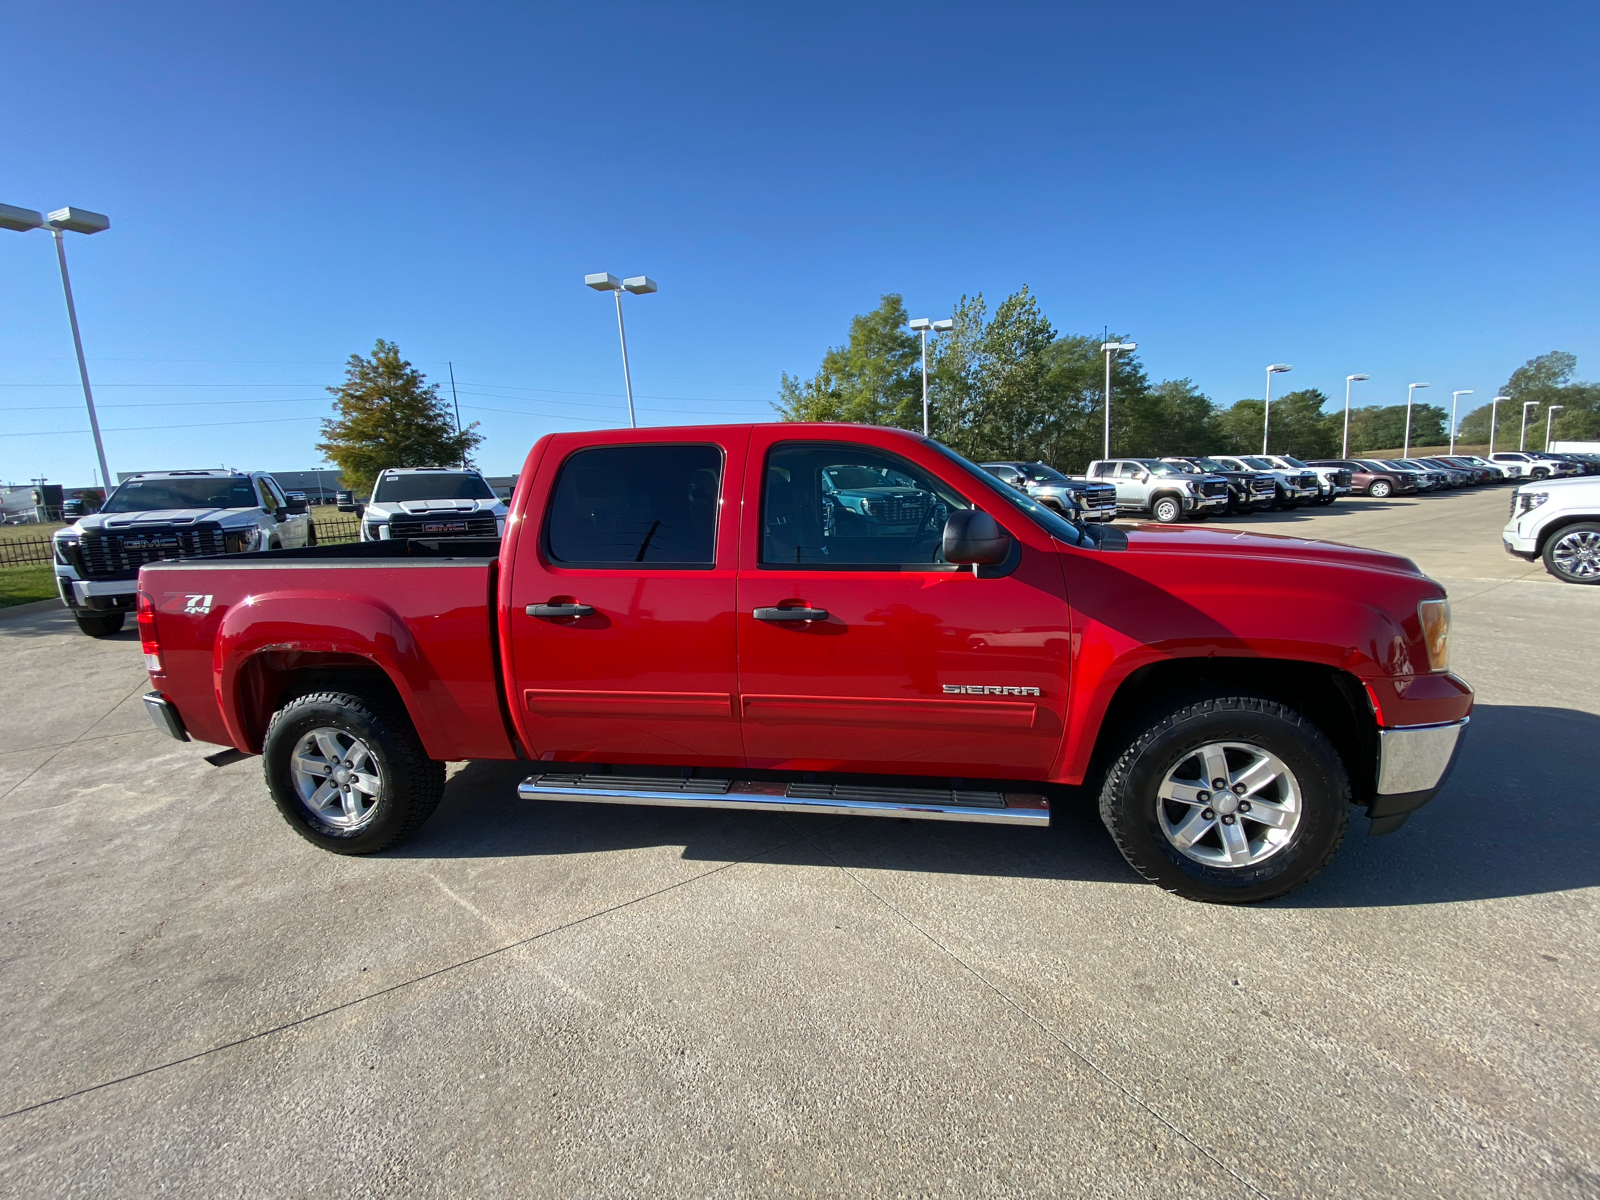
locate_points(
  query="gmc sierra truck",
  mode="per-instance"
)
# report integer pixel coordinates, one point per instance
(703, 617)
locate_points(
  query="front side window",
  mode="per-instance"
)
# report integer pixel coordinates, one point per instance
(1039, 473)
(632, 506)
(825, 505)
(1128, 470)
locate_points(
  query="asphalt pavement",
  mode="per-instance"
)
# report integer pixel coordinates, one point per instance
(542, 999)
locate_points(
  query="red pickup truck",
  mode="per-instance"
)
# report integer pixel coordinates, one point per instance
(835, 619)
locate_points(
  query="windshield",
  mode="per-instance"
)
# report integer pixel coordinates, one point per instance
(1209, 464)
(392, 489)
(1260, 464)
(1039, 473)
(1291, 460)
(1188, 468)
(1161, 468)
(1056, 526)
(206, 491)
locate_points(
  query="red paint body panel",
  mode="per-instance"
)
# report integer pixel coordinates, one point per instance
(673, 669)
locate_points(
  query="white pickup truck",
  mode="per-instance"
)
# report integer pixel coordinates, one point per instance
(1557, 520)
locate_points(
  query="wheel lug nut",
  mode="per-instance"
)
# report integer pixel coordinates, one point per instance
(1244, 806)
(1229, 819)
(1238, 789)
(1203, 797)
(1219, 784)
(1209, 815)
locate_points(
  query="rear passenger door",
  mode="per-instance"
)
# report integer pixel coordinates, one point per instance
(621, 603)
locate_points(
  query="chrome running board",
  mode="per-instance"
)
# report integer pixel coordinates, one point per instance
(926, 804)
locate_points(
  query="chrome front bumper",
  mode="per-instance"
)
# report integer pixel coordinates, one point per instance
(1413, 763)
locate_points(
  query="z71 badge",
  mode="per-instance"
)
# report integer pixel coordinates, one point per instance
(987, 689)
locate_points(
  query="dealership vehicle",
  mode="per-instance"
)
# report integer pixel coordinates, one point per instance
(671, 619)
(1488, 472)
(1535, 464)
(1429, 479)
(1455, 476)
(1248, 491)
(1332, 482)
(429, 502)
(159, 515)
(1163, 490)
(1366, 480)
(1295, 486)
(1557, 520)
(1091, 501)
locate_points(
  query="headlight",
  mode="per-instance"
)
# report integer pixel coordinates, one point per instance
(65, 550)
(1528, 501)
(1434, 615)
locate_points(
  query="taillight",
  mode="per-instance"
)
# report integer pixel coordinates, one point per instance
(148, 642)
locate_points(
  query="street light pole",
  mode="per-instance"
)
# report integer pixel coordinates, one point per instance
(1111, 349)
(1410, 388)
(1522, 438)
(1266, 408)
(1550, 424)
(1455, 399)
(923, 326)
(1494, 408)
(639, 285)
(1348, 380)
(69, 220)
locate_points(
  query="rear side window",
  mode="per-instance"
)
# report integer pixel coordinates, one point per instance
(632, 506)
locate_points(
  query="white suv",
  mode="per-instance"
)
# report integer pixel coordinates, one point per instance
(429, 502)
(1532, 464)
(160, 515)
(1558, 520)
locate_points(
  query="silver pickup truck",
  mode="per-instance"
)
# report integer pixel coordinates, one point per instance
(1075, 497)
(1161, 489)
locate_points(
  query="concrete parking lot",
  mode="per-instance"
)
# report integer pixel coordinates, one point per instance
(567, 1000)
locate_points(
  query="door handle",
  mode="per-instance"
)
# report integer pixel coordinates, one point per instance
(560, 610)
(790, 614)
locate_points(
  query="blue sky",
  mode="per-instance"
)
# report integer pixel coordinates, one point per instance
(1403, 190)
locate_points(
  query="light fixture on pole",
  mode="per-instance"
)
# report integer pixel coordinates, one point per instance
(67, 220)
(1410, 388)
(1455, 399)
(1494, 408)
(639, 285)
(1348, 380)
(1266, 409)
(1522, 438)
(923, 326)
(1550, 424)
(1110, 349)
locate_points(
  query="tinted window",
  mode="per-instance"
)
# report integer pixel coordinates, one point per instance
(144, 495)
(430, 485)
(1040, 473)
(632, 505)
(830, 505)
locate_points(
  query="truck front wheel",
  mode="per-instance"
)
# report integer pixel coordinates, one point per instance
(1167, 510)
(100, 624)
(349, 775)
(1229, 799)
(1573, 553)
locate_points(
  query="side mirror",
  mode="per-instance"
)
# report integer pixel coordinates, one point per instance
(973, 536)
(345, 501)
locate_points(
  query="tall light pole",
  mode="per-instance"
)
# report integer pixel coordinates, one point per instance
(639, 285)
(1522, 438)
(1266, 409)
(1110, 350)
(1455, 399)
(67, 220)
(1410, 388)
(1494, 408)
(1550, 424)
(923, 325)
(1348, 380)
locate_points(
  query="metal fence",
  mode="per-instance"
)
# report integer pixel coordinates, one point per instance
(37, 551)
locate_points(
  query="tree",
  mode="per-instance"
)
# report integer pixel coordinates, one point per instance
(388, 417)
(1383, 427)
(874, 379)
(1545, 380)
(1298, 426)
(1173, 417)
(994, 397)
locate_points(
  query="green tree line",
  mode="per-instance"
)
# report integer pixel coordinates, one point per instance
(1008, 385)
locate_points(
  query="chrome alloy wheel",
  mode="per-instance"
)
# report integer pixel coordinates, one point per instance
(1229, 804)
(337, 777)
(1578, 554)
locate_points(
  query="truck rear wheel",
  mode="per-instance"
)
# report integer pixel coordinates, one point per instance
(100, 624)
(349, 775)
(1230, 799)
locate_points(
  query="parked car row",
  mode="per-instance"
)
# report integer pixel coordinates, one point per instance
(162, 515)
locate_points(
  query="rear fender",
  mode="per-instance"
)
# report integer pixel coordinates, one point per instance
(320, 623)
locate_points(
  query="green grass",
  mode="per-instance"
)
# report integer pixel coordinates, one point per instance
(24, 585)
(27, 533)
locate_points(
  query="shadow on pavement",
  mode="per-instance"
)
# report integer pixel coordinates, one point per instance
(1518, 817)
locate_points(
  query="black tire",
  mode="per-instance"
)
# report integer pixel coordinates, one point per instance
(1380, 489)
(1324, 501)
(1167, 509)
(1572, 553)
(100, 624)
(1538, 473)
(1129, 799)
(411, 783)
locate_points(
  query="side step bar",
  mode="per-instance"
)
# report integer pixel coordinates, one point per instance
(927, 804)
